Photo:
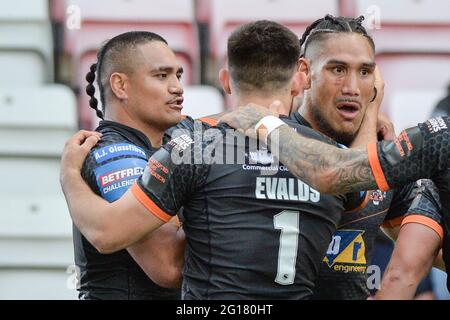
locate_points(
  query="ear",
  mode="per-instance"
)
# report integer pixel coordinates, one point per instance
(297, 83)
(119, 85)
(305, 72)
(224, 77)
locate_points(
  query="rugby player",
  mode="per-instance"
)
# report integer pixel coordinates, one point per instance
(337, 58)
(141, 94)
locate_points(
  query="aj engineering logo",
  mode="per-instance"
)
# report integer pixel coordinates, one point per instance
(347, 252)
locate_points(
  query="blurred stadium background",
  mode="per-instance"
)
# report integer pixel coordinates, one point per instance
(47, 46)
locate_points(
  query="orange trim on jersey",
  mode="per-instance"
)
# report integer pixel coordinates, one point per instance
(362, 205)
(375, 165)
(392, 223)
(426, 221)
(149, 204)
(210, 121)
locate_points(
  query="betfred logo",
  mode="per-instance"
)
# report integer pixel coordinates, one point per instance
(115, 176)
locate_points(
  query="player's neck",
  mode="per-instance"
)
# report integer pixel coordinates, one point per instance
(154, 134)
(266, 101)
(306, 113)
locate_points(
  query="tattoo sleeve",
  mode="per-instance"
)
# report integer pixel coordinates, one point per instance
(418, 152)
(323, 166)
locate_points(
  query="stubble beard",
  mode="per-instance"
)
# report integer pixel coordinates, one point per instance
(325, 127)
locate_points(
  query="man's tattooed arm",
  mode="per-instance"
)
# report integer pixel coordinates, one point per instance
(244, 119)
(419, 152)
(325, 167)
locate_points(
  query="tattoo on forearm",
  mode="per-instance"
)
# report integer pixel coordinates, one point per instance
(325, 167)
(246, 117)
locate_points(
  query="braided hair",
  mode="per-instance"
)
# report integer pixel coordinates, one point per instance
(330, 24)
(114, 56)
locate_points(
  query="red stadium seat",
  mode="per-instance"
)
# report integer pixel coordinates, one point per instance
(409, 107)
(420, 30)
(201, 101)
(413, 51)
(225, 16)
(414, 85)
(97, 25)
(57, 10)
(408, 11)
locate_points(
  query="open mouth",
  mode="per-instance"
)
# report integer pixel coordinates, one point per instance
(348, 110)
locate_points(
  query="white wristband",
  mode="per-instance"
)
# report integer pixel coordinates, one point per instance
(270, 123)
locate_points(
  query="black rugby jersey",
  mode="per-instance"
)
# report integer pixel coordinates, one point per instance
(343, 274)
(253, 230)
(422, 151)
(110, 169)
(347, 264)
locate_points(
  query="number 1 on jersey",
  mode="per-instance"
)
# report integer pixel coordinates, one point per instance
(287, 222)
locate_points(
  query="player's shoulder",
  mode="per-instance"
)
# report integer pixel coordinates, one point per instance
(123, 148)
(186, 124)
(114, 164)
(113, 145)
(305, 130)
(120, 141)
(201, 132)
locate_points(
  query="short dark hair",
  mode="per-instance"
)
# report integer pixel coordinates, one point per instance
(262, 55)
(321, 28)
(114, 56)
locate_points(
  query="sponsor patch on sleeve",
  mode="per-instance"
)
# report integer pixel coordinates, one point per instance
(346, 252)
(181, 143)
(436, 124)
(119, 149)
(114, 178)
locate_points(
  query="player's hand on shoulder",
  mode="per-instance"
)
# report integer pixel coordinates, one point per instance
(76, 150)
(245, 118)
